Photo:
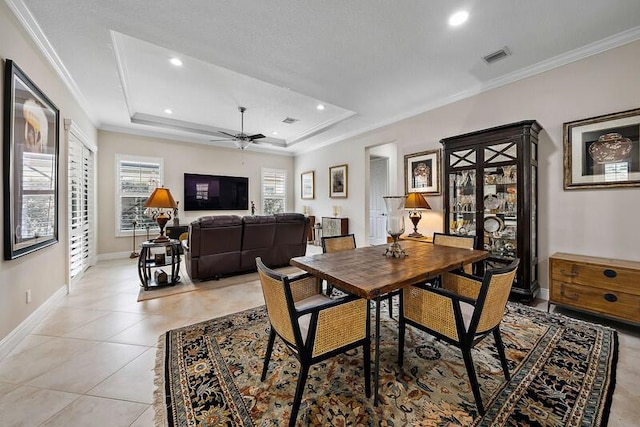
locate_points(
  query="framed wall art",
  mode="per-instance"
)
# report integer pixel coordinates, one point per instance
(31, 125)
(338, 181)
(422, 172)
(307, 185)
(602, 152)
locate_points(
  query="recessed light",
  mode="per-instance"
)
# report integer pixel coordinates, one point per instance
(168, 111)
(320, 107)
(274, 133)
(458, 18)
(176, 61)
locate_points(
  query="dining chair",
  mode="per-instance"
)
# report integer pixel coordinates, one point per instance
(461, 319)
(337, 244)
(312, 325)
(452, 240)
(345, 243)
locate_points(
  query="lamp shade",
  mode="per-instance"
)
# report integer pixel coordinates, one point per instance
(416, 201)
(160, 198)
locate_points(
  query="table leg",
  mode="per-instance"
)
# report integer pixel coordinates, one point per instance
(376, 366)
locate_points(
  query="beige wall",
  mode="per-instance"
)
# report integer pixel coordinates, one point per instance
(44, 271)
(179, 157)
(590, 222)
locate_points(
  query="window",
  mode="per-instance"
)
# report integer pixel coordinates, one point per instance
(136, 178)
(274, 191)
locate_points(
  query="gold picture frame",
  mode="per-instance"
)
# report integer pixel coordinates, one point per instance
(338, 181)
(307, 185)
(422, 172)
(602, 151)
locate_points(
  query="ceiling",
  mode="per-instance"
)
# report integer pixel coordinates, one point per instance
(369, 62)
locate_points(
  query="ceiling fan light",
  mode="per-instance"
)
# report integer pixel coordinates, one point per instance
(242, 143)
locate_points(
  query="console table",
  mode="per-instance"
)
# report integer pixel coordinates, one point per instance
(602, 286)
(150, 263)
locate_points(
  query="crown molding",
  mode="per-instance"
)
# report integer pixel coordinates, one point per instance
(578, 54)
(29, 23)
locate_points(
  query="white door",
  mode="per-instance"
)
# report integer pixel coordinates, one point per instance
(377, 211)
(80, 203)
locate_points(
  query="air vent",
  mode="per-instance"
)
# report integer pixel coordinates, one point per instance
(290, 120)
(497, 55)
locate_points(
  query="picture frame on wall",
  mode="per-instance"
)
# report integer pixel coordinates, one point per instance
(338, 181)
(422, 172)
(602, 151)
(30, 161)
(307, 185)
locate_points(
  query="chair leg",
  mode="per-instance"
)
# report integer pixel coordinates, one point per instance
(503, 356)
(267, 357)
(390, 304)
(471, 372)
(302, 379)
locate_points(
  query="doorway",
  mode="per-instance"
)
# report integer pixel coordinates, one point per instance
(378, 188)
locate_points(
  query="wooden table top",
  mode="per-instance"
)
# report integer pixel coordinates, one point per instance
(366, 272)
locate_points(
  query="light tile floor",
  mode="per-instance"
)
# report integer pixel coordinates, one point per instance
(91, 361)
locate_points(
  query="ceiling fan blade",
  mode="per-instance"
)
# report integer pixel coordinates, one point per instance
(256, 136)
(227, 134)
(222, 140)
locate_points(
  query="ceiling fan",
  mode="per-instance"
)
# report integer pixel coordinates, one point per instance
(241, 140)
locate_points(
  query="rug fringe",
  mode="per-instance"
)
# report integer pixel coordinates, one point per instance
(160, 419)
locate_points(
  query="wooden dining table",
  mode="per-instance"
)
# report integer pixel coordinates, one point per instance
(368, 273)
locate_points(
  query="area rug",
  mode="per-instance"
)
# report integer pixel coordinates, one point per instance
(563, 374)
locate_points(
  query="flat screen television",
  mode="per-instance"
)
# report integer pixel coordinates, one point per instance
(215, 193)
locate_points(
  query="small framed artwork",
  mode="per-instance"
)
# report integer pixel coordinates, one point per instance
(30, 162)
(338, 181)
(422, 172)
(159, 259)
(602, 152)
(307, 185)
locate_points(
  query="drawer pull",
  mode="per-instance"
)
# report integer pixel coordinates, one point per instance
(566, 273)
(610, 273)
(610, 297)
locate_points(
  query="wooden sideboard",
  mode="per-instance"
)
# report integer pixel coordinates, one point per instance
(601, 286)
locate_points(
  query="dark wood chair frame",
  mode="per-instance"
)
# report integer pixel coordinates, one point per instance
(303, 350)
(466, 339)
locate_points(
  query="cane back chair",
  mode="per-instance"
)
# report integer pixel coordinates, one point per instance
(312, 325)
(344, 243)
(462, 319)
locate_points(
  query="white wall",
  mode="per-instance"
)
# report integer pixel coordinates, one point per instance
(589, 222)
(44, 271)
(179, 157)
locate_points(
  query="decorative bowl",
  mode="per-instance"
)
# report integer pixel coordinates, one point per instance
(610, 147)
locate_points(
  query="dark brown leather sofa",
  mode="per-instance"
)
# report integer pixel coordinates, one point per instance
(224, 245)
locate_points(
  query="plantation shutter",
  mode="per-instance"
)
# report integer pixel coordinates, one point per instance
(274, 191)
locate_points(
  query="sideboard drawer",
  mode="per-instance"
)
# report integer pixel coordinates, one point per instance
(598, 300)
(597, 285)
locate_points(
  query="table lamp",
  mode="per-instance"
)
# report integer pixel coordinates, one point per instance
(415, 203)
(161, 203)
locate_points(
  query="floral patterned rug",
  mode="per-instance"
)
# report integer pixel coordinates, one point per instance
(563, 373)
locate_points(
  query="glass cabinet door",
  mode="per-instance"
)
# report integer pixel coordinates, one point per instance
(462, 203)
(500, 207)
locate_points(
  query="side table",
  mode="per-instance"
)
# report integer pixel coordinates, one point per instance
(150, 264)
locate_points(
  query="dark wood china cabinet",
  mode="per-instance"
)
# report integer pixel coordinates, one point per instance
(491, 191)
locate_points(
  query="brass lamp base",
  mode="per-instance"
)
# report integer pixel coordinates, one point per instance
(415, 217)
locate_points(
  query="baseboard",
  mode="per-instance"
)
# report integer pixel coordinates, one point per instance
(544, 294)
(14, 337)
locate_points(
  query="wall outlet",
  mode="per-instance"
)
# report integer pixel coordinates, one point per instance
(28, 296)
